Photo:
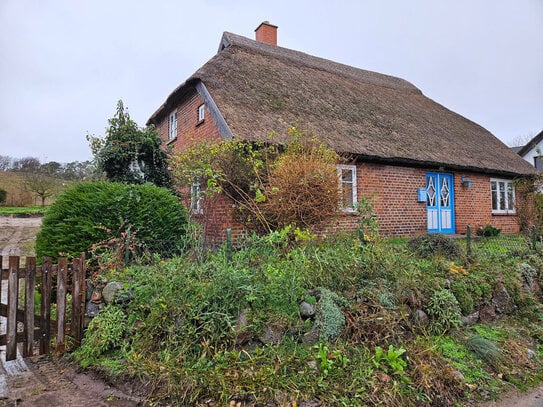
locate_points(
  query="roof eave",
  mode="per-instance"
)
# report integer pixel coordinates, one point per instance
(402, 161)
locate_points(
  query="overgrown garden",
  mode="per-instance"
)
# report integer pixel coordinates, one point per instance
(286, 319)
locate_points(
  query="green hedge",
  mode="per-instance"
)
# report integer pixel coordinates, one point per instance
(92, 212)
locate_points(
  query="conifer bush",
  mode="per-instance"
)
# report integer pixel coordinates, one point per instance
(94, 212)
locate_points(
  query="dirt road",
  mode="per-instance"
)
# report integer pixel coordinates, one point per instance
(17, 236)
(49, 381)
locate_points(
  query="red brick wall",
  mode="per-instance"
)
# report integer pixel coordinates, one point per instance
(188, 127)
(393, 192)
(473, 206)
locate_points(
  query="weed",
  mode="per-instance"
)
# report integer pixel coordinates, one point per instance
(390, 360)
(444, 309)
(328, 360)
(104, 333)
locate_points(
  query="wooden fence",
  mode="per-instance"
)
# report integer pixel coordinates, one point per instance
(60, 291)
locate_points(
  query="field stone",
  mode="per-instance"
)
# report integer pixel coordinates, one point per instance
(272, 335)
(307, 310)
(420, 317)
(90, 288)
(312, 336)
(487, 314)
(470, 319)
(110, 290)
(92, 309)
(502, 300)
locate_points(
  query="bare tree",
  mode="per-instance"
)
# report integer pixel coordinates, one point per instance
(28, 164)
(521, 140)
(41, 185)
(5, 162)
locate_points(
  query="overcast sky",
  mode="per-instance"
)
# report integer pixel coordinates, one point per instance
(64, 64)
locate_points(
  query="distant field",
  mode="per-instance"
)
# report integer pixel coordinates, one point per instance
(13, 183)
(18, 195)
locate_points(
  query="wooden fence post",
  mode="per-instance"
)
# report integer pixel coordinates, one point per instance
(30, 281)
(13, 303)
(78, 299)
(61, 303)
(45, 313)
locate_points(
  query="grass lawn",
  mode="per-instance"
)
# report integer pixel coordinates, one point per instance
(22, 210)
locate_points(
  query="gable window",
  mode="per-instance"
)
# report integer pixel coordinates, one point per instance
(201, 113)
(347, 187)
(196, 198)
(172, 128)
(503, 196)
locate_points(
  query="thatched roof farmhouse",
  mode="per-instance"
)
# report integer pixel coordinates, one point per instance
(393, 131)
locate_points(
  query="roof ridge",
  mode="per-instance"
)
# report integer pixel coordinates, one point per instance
(230, 39)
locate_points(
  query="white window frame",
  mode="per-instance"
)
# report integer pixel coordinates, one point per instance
(196, 198)
(201, 113)
(502, 190)
(172, 126)
(342, 184)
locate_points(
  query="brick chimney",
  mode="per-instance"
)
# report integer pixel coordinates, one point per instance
(266, 33)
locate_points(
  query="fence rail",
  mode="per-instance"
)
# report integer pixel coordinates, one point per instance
(60, 291)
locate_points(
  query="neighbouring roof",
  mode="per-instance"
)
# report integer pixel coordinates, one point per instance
(259, 88)
(530, 144)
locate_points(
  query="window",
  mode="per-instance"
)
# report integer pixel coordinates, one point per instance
(347, 187)
(201, 113)
(503, 196)
(196, 198)
(172, 128)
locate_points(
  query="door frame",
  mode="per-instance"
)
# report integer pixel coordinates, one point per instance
(436, 215)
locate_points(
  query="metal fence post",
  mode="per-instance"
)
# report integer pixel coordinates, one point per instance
(468, 241)
(229, 245)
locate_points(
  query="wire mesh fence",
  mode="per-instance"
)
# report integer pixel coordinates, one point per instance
(502, 244)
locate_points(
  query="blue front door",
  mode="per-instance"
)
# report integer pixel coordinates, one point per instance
(440, 202)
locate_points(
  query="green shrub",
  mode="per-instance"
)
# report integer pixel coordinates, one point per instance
(104, 334)
(3, 196)
(94, 212)
(444, 310)
(330, 318)
(429, 245)
(488, 231)
(463, 295)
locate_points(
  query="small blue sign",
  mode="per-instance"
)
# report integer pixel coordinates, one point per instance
(421, 195)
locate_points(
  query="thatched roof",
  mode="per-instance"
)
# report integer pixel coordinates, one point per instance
(259, 88)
